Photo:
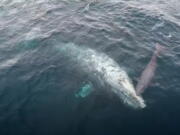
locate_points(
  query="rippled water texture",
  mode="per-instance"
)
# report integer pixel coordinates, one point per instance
(38, 83)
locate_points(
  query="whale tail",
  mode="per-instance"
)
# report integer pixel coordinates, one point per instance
(159, 49)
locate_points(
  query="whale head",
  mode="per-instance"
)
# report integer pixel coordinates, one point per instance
(133, 100)
(124, 89)
(130, 98)
(127, 92)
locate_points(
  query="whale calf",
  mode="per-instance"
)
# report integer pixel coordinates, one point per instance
(102, 66)
(149, 72)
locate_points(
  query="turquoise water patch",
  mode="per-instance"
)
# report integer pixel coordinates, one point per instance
(2, 11)
(84, 91)
(28, 44)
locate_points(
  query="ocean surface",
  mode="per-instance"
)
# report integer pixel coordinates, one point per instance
(39, 84)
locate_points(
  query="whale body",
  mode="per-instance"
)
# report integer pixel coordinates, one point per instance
(102, 66)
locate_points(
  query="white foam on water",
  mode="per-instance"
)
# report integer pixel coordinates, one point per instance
(34, 33)
(9, 62)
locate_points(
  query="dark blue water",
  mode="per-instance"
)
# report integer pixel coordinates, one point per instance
(38, 83)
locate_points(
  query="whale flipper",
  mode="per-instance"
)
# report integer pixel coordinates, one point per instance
(84, 91)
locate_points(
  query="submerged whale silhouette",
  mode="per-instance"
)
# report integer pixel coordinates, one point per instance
(102, 66)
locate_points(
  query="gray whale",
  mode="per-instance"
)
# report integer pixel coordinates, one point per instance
(101, 65)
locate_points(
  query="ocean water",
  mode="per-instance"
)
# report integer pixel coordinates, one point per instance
(38, 83)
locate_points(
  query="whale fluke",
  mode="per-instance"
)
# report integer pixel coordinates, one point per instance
(148, 73)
